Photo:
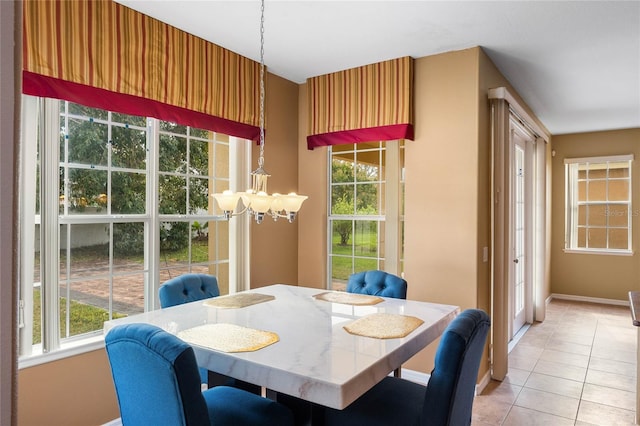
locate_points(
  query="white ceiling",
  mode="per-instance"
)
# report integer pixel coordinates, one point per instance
(575, 63)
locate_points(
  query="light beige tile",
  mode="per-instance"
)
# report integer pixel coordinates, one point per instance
(557, 385)
(565, 371)
(622, 333)
(487, 410)
(476, 422)
(613, 366)
(523, 350)
(547, 370)
(539, 340)
(522, 362)
(609, 396)
(604, 415)
(519, 416)
(516, 376)
(547, 402)
(500, 392)
(563, 346)
(613, 353)
(611, 380)
(616, 338)
(565, 358)
(572, 338)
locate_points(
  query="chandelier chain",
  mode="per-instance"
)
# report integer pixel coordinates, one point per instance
(261, 157)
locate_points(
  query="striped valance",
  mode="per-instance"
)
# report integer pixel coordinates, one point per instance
(105, 55)
(369, 103)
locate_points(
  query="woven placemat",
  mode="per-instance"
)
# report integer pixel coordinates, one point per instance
(348, 298)
(239, 300)
(384, 326)
(228, 337)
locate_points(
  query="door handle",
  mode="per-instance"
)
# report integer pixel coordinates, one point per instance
(515, 260)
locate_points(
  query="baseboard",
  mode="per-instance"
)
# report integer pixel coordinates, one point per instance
(589, 299)
(416, 376)
(483, 382)
(423, 378)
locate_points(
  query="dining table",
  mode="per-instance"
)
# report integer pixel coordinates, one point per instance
(320, 346)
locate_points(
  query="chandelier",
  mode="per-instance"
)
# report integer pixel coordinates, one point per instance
(256, 200)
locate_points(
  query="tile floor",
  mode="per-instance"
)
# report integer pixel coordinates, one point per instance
(578, 367)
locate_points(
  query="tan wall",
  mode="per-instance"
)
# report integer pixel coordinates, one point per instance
(274, 244)
(72, 391)
(312, 180)
(599, 276)
(441, 221)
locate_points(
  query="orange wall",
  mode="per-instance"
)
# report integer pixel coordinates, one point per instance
(598, 276)
(77, 390)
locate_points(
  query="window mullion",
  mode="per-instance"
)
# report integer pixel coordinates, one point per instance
(49, 227)
(239, 237)
(391, 175)
(27, 221)
(152, 226)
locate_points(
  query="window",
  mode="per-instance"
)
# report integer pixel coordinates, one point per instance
(598, 204)
(120, 204)
(365, 218)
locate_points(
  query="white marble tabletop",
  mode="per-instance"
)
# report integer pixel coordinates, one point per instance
(315, 358)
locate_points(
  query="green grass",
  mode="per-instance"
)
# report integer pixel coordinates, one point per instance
(341, 267)
(83, 319)
(199, 253)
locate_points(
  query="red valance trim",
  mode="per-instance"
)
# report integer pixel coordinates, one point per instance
(381, 133)
(49, 87)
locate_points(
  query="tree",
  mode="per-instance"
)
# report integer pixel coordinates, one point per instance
(91, 156)
(352, 196)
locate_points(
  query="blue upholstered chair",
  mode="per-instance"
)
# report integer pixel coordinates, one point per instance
(448, 397)
(156, 380)
(188, 288)
(377, 283)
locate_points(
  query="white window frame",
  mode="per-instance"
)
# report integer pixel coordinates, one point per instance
(393, 218)
(45, 112)
(572, 204)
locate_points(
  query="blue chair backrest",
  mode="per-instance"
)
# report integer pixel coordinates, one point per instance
(377, 283)
(188, 288)
(451, 387)
(155, 376)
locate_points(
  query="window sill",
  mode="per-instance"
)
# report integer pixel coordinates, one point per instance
(66, 350)
(600, 252)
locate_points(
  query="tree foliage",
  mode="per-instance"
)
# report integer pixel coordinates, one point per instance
(91, 154)
(354, 192)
